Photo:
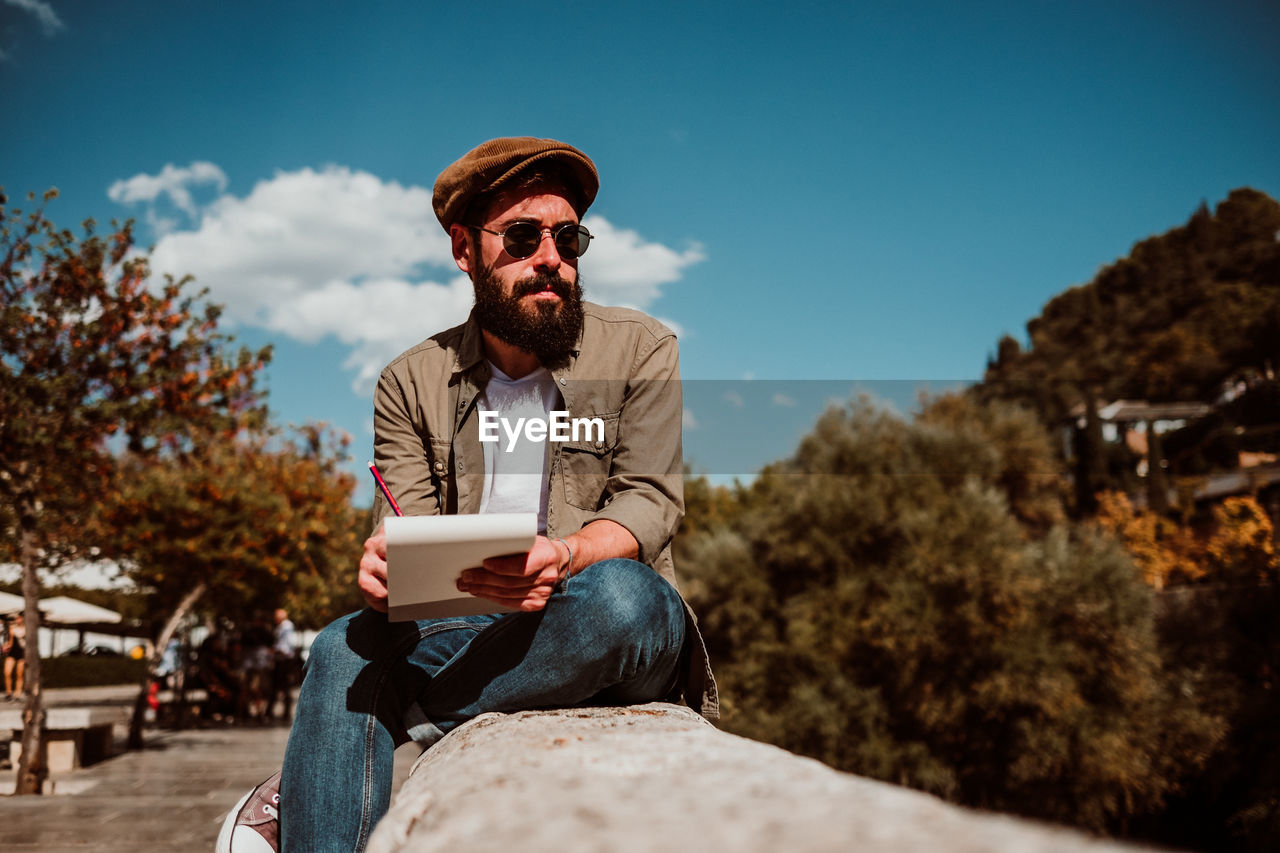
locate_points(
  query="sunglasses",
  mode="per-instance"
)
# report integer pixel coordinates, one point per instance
(522, 239)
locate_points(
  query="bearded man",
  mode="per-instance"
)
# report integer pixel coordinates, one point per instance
(597, 618)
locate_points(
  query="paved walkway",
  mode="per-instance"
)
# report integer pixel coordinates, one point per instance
(170, 796)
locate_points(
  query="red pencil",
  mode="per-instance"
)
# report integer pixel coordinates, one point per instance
(385, 491)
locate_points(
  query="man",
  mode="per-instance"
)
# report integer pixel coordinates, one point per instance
(598, 617)
(284, 663)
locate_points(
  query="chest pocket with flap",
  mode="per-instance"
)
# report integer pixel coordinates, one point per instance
(585, 463)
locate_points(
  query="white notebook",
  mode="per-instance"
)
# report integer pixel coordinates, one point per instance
(426, 553)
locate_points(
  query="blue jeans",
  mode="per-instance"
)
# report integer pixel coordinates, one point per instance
(611, 635)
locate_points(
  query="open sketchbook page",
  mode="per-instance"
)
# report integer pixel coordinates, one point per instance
(426, 553)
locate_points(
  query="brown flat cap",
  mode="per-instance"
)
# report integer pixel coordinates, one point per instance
(490, 164)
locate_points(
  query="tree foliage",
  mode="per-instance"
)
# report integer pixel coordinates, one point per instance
(1192, 314)
(1182, 314)
(904, 601)
(909, 601)
(261, 520)
(1005, 444)
(91, 351)
(1222, 646)
(1165, 551)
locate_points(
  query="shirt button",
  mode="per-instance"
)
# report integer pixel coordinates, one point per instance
(599, 445)
(563, 381)
(439, 467)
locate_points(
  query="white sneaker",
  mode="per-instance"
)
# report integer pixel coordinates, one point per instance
(253, 826)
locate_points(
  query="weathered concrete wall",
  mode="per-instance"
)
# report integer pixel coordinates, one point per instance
(659, 778)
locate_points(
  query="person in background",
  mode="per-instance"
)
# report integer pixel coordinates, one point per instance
(168, 662)
(256, 663)
(284, 664)
(15, 652)
(216, 673)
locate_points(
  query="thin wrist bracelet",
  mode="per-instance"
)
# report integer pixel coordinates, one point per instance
(568, 567)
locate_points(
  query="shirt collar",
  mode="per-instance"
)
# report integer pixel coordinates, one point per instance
(471, 347)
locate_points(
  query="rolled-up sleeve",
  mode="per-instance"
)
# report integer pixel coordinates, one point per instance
(399, 451)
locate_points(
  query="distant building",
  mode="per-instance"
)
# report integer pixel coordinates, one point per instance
(1129, 422)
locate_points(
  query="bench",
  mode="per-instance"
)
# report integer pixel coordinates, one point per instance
(73, 737)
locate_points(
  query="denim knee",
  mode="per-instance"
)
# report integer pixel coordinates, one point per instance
(329, 649)
(630, 600)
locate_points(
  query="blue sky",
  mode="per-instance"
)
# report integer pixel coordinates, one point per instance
(811, 191)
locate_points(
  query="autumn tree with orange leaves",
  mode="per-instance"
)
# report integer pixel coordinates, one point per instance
(94, 355)
(237, 527)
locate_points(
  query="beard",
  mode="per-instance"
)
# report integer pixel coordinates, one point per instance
(548, 330)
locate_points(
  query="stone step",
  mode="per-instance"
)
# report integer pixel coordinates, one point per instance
(170, 796)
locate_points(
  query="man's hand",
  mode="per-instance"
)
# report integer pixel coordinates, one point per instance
(522, 581)
(373, 570)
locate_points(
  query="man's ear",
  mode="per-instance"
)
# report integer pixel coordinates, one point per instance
(463, 248)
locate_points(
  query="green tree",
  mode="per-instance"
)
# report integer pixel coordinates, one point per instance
(1008, 447)
(878, 602)
(93, 351)
(1183, 314)
(236, 526)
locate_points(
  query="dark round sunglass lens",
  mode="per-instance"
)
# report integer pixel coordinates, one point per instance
(521, 240)
(571, 241)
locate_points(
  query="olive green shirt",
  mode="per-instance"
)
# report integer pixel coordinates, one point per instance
(624, 371)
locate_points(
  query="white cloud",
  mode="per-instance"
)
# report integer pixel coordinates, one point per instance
(734, 398)
(343, 254)
(623, 269)
(298, 233)
(783, 400)
(172, 182)
(687, 419)
(50, 23)
(379, 319)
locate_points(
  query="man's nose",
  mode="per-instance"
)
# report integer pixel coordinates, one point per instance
(548, 256)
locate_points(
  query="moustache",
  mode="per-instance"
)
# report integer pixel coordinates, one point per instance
(542, 282)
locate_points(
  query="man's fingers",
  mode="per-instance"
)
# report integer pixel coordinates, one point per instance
(529, 603)
(509, 596)
(524, 605)
(374, 591)
(532, 597)
(372, 577)
(478, 578)
(377, 543)
(509, 564)
(483, 578)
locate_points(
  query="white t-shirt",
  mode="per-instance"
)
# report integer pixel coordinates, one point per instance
(515, 477)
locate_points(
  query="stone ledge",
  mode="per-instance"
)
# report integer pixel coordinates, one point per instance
(658, 778)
